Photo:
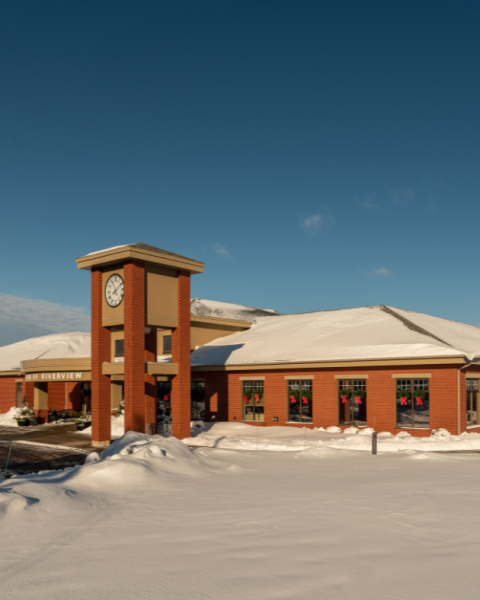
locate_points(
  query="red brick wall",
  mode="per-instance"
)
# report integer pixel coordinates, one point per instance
(223, 391)
(101, 401)
(28, 392)
(134, 325)
(216, 395)
(151, 380)
(181, 393)
(64, 393)
(8, 393)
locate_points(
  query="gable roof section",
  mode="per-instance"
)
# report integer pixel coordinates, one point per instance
(366, 333)
(57, 345)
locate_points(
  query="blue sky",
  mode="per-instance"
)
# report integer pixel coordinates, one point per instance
(315, 155)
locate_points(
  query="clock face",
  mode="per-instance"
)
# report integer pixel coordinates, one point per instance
(114, 290)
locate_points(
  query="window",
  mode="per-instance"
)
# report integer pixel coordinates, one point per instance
(19, 393)
(352, 402)
(252, 398)
(300, 401)
(167, 344)
(472, 400)
(413, 403)
(198, 400)
(119, 348)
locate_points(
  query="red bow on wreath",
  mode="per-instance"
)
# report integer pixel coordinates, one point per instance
(292, 399)
(257, 397)
(403, 401)
(358, 400)
(165, 398)
(245, 398)
(419, 401)
(344, 399)
(305, 400)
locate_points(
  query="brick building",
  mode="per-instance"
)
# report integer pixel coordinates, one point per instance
(172, 358)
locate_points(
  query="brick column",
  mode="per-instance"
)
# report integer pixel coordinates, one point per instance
(134, 325)
(100, 353)
(181, 409)
(151, 380)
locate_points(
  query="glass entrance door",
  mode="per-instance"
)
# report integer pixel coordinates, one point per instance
(164, 406)
(198, 400)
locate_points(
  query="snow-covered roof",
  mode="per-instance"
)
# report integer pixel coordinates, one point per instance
(57, 345)
(77, 344)
(350, 334)
(371, 332)
(224, 310)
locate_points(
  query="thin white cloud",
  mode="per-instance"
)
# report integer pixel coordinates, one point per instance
(222, 251)
(317, 221)
(313, 222)
(381, 272)
(367, 204)
(21, 318)
(402, 195)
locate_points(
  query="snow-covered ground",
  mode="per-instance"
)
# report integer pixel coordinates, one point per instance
(155, 519)
(8, 418)
(239, 436)
(117, 428)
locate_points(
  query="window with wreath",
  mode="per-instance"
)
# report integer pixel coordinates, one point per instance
(472, 402)
(352, 402)
(413, 403)
(300, 401)
(252, 397)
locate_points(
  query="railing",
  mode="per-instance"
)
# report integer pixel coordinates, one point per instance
(163, 429)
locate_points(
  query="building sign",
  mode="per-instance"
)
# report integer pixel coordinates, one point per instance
(64, 376)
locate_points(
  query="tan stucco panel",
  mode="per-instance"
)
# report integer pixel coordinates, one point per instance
(161, 296)
(203, 333)
(116, 392)
(40, 396)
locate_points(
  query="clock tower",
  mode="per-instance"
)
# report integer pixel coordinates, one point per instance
(137, 291)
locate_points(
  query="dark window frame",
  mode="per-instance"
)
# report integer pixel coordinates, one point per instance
(355, 384)
(472, 396)
(303, 385)
(120, 353)
(167, 346)
(412, 388)
(252, 385)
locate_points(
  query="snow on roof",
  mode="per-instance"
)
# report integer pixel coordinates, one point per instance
(142, 246)
(57, 345)
(224, 310)
(348, 334)
(107, 249)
